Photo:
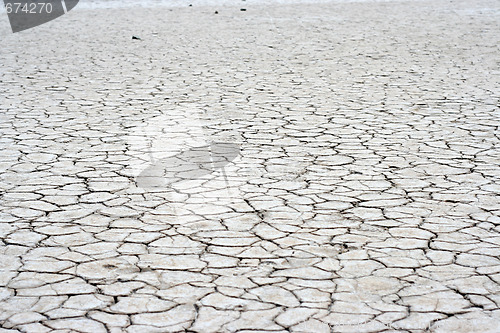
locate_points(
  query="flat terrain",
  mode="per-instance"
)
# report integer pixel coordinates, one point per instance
(288, 168)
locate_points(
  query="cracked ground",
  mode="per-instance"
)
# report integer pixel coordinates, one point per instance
(356, 189)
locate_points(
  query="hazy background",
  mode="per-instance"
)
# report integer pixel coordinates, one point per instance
(182, 3)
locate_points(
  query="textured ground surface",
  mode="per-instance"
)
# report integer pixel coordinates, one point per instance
(358, 188)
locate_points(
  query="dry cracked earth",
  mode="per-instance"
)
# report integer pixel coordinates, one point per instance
(290, 168)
